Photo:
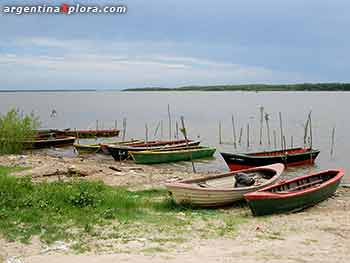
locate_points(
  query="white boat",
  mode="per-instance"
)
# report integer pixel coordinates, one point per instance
(220, 190)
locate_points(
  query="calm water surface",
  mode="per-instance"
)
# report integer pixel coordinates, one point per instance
(202, 112)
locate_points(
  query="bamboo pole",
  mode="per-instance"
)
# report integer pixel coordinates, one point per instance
(220, 138)
(169, 117)
(261, 123)
(77, 135)
(96, 125)
(281, 129)
(267, 117)
(161, 129)
(291, 142)
(124, 129)
(234, 132)
(248, 136)
(310, 127)
(306, 128)
(275, 139)
(184, 132)
(177, 130)
(332, 142)
(146, 133)
(240, 135)
(156, 130)
(115, 124)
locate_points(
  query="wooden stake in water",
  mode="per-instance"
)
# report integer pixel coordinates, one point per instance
(115, 124)
(240, 135)
(77, 135)
(234, 132)
(124, 129)
(161, 129)
(156, 130)
(281, 129)
(96, 125)
(169, 118)
(177, 130)
(220, 138)
(248, 136)
(267, 117)
(146, 133)
(306, 128)
(275, 139)
(291, 142)
(261, 123)
(184, 132)
(332, 142)
(310, 127)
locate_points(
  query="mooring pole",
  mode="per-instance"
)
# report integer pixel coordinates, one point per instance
(184, 132)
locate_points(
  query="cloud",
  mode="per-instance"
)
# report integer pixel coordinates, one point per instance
(70, 62)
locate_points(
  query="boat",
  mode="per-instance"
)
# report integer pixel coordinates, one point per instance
(99, 147)
(83, 133)
(220, 190)
(289, 157)
(58, 141)
(121, 152)
(172, 155)
(104, 146)
(295, 194)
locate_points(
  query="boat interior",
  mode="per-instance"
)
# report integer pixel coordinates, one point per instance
(303, 183)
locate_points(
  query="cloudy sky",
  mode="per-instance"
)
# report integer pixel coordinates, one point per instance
(172, 43)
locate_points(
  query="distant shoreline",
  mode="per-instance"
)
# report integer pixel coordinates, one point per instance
(247, 87)
(256, 87)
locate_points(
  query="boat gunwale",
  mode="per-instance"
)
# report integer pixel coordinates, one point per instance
(264, 194)
(184, 184)
(151, 147)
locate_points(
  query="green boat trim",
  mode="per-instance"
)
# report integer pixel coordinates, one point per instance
(172, 155)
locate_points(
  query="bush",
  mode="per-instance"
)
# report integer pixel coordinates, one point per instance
(15, 127)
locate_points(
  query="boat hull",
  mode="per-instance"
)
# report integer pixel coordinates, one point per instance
(244, 161)
(121, 152)
(264, 203)
(222, 191)
(153, 157)
(47, 143)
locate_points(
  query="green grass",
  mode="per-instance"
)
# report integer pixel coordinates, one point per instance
(78, 210)
(16, 127)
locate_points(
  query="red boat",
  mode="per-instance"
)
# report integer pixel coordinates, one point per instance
(289, 157)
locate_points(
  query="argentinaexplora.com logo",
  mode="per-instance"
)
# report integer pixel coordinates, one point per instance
(63, 9)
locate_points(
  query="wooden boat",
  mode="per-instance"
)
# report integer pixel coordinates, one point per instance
(295, 194)
(87, 133)
(100, 147)
(220, 190)
(290, 157)
(121, 152)
(58, 141)
(172, 155)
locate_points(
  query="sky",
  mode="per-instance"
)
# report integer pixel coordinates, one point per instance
(173, 43)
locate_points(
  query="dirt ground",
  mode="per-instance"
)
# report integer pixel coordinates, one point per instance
(318, 234)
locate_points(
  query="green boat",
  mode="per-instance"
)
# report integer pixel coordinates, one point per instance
(172, 155)
(295, 194)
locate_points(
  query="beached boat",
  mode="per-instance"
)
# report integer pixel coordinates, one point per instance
(104, 146)
(172, 155)
(295, 194)
(58, 141)
(121, 152)
(220, 190)
(86, 133)
(100, 147)
(289, 157)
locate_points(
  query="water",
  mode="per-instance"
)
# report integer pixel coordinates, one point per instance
(202, 112)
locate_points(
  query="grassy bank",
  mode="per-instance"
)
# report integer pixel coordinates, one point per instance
(78, 211)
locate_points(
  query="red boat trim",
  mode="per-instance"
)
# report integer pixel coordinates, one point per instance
(264, 194)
